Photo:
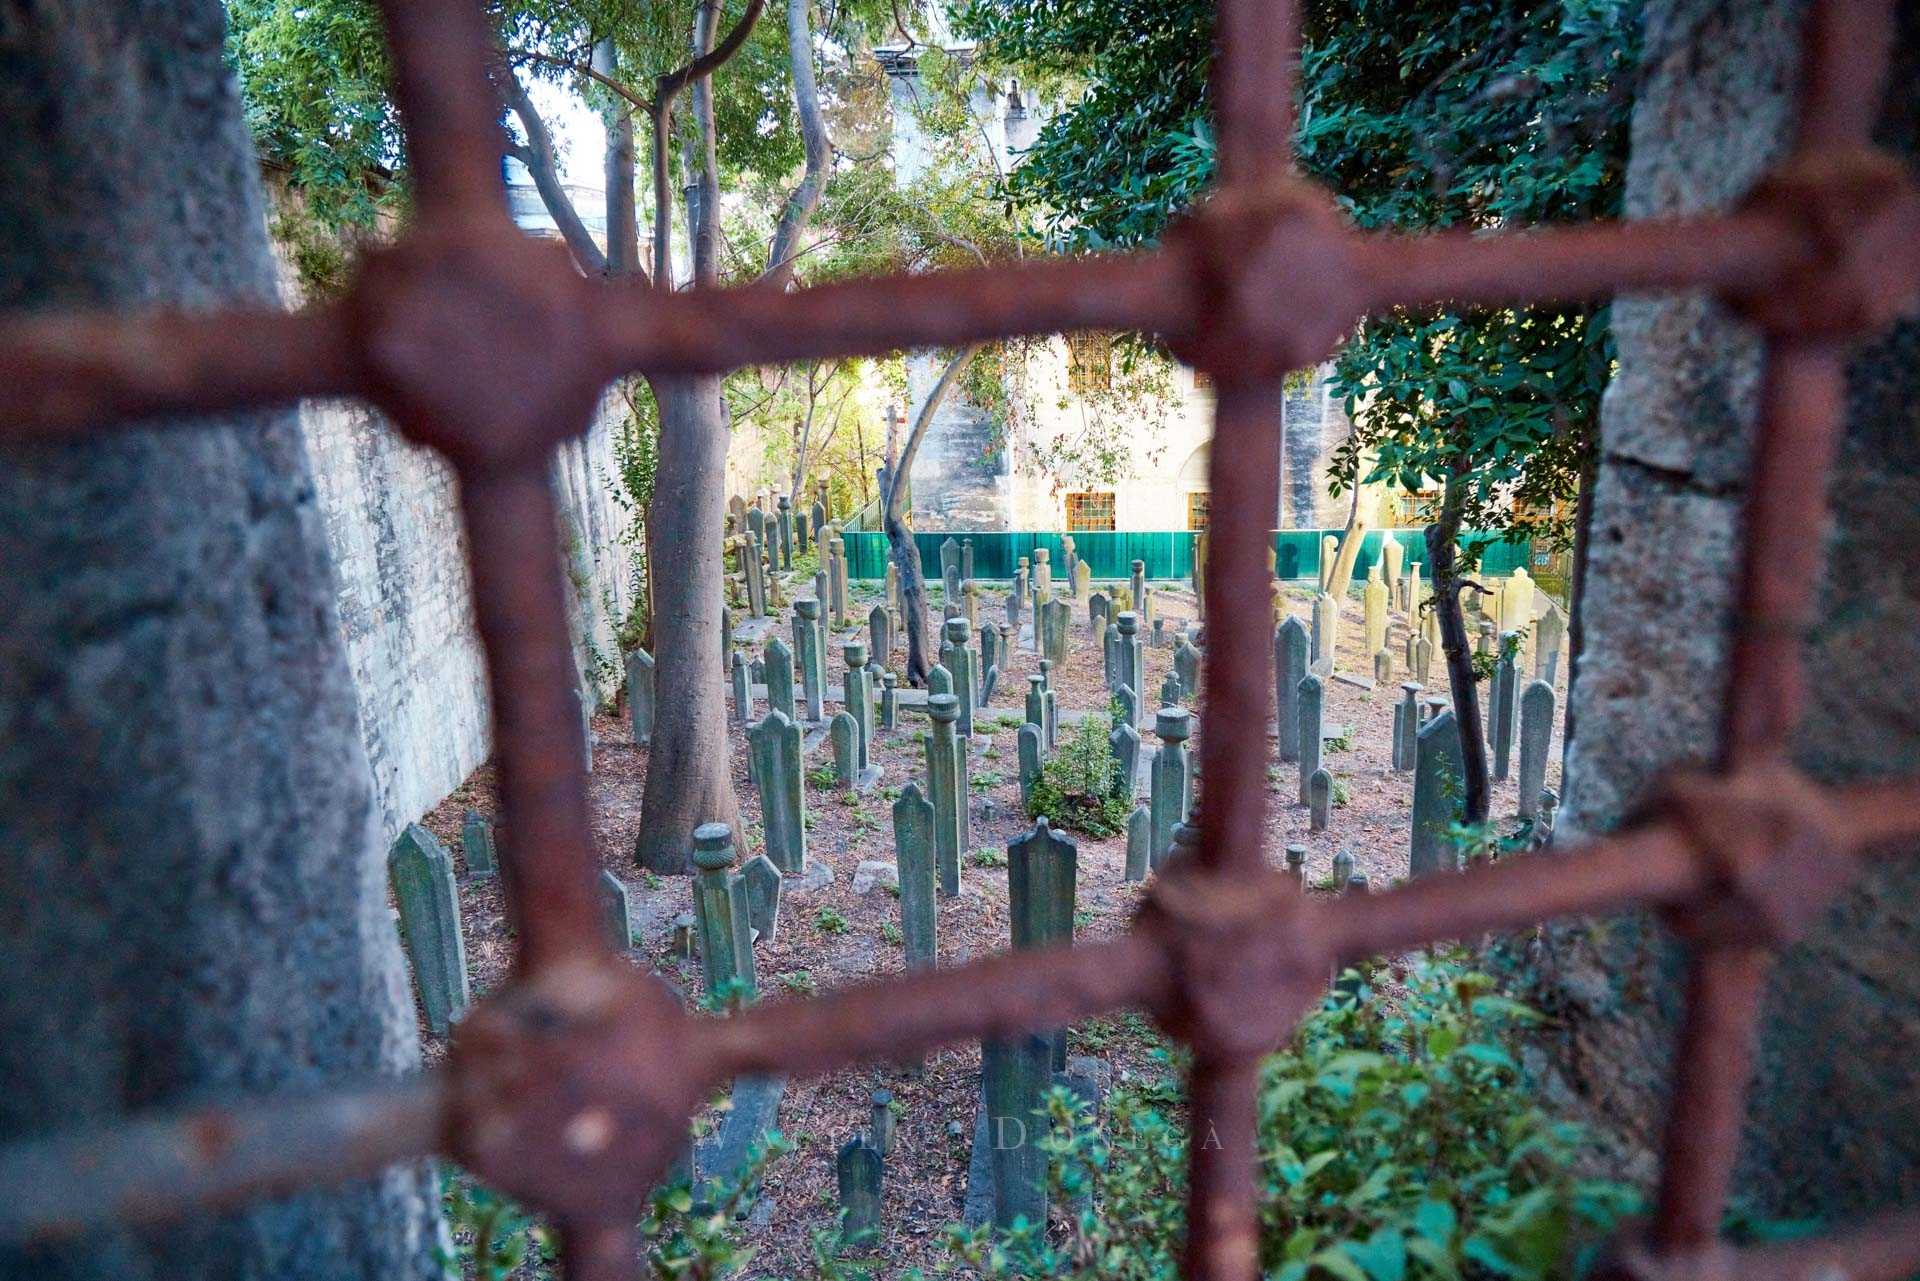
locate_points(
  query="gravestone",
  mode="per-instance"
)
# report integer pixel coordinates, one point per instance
(1132, 661)
(1042, 573)
(778, 662)
(966, 560)
(820, 527)
(786, 532)
(842, 590)
(990, 654)
(1297, 865)
(585, 698)
(778, 772)
(950, 558)
(720, 908)
(1018, 594)
(1110, 654)
(1171, 784)
(1029, 744)
(640, 695)
(1139, 843)
(1329, 553)
(1127, 708)
(880, 633)
(1186, 666)
(1099, 609)
(742, 691)
(1438, 769)
(1170, 690)
(1504, 692)
(1422, 659)
(957, 657)
(810, 651)
(1407, 726)
(1048, 699)
(1082, 580)
(1536, 735)
(761, 880)
(1374, 603)
(1319, 800)
(1124, 740)
(1326, 633)
(946, 780)
(858, 1171)
(801, 522)
(950, 589)
(1342, 870)
(1393, 555)
(1015, 1075)
(1042, 870)
(880, 1121)
(616, 911)
(970, 603)
(915, 852)
(1137, 586)
(844, 733)
(476, 842)
(1550, 633)
(939, 680)
(421, 873)
(1382, 667)
(1312, 705)
(889, 701)
(857, 688)
(1289, 669)
(1056, 616)
(1037, 705)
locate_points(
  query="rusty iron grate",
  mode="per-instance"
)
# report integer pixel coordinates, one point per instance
(570, 1089)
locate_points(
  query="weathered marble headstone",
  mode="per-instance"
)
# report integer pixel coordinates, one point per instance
(1342, 870)
(880, 633)
(1133, 667)
(966, 560)
(958, 658)
(750, 565)
(421, 873)
(1374, 600)
(1290, 664)
(843, 732)
(742, 690)
(915, 852)
(810, 652)
(683, 944)
(1043, 573)
(640, 695)
(1326, 633)
(786, 532)
(939, 680)
(1042, 871)
(1018, 594)
(777, 662)
(1056, 616)
(857, 686)
(820, 524)
(950, 558)
(1171, 786)
(889, 701)
(1536, 735)
(801, 530)
(1297, 865)
(1110, 653)
(762, 880)
(1329, 553)
(585, 698)
(720, 907)
(990, 654)
(1423, 659)
(1099, 608)
(1082, 580)
(1186, 667)
(1407, 726)
(1312, 706)
(1127, 706)
(1139, 842)
(1516, 602)
(1029, 748)
(1393, 556)
(1124, 741)
(1137, 584)
(970, 602)
(1505, 705)
(946, 780)
(1383, 667)
(1170, 690)
(1037, 704)
(989, 684)
(778, 773)
(950, 582)
(1069, 558)
(1052, 723)
(476, 842)
(858, 1171)
(1438, 769)
(1015, 1075)
(1319, 800)
(842, 590)
(1550, 633)
(616, 911)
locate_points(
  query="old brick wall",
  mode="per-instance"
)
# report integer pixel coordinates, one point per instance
(1834, 1125)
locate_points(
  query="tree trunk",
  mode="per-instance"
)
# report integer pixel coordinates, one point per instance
(623, 218)
(1442, 558)
(900, 544)
(805, 197)
(193, 879)
(1359, 521)
(689, 767)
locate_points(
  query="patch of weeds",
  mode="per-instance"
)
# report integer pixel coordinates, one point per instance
(1342, 744)
(651, 880)
(987, 778)
(891, 933)
(987, 856)
(821, 776)
(830, 920)
(850, 799)
(1080, 788)
(891, 793)
(800, 981)
(1342, 794)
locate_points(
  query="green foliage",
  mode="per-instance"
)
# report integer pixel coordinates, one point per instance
(1080, 787)
(800, 981)
(988, 856)
(491, 1236)
(830, 920)
(1399, 1142)
(636, 458)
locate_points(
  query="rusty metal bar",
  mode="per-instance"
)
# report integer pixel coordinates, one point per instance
(592, 1251)
(150, 1168)
(1255, 70)
(1882, 1249)
(1223, 1221)
(441, 50)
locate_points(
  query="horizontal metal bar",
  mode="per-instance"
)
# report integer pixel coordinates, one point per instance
(156, 1167)
(1886, 1248)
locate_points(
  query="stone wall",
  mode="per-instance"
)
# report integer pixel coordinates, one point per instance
(393, 525)
(1834, 1122)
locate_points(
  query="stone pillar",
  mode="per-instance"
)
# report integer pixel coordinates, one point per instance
(421, 873)
(1132, 666)
(720, 907)
(857, 687)
(786, 532)
(778, 771)
(778, 661)
(944, 787)
(1536, 736)
(1137, 585)
(1290, 666)
(810, 650)
(640, 695)
(1042, 868)
(1312, 729)
(957, 658)
(915, 851)
(1438, 769)
(1170, 782)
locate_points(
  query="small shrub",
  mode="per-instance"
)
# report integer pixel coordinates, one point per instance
(830, 921)
(1080, 788)
(799, 981)
(821, 776)
(987, 856)
(1342, 793)
(891, 933)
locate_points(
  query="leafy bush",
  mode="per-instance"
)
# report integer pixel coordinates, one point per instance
(1081, 788)
(1399, 1143)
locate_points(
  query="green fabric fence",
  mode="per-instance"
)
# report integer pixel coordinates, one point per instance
(1168, 554)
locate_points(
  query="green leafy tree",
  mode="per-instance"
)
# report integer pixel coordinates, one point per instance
(1417, 115)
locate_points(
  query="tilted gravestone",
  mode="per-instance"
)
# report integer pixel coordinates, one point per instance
(640, 695)
(421, 872)
(915, 851)
(1319, 800)
(778, 773)
(1186, 666)
(762, 881)
(721, 910)
(844, 733)
(1056, 617)
(1171, 786)
(858, 1171)
(1289, 669)
(810, 651)
(1312, 701)
(778, 662)
(1029, 740)
(476, 842)
(1042, 872)
(1536, 735)
(946, 782)
(1139, 842)
(1438, 768)
(616, 911)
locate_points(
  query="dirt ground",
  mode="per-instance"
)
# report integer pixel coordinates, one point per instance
(831, 936)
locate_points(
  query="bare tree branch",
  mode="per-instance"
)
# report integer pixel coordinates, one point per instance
(538, 156)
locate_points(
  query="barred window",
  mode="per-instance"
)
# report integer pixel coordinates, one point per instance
(1089, 512)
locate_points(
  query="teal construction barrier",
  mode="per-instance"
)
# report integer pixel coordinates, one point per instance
(1168, 554)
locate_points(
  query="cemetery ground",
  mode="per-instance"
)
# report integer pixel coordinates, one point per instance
(847, 930)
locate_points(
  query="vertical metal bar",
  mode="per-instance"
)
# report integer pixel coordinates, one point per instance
(519, 609)
(1223, 1222)
(592, 1251)
(1846, 49)
(441, 52)
(1255, 70)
